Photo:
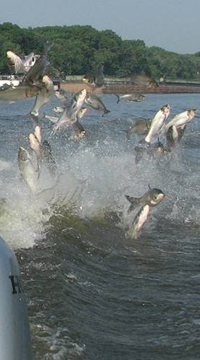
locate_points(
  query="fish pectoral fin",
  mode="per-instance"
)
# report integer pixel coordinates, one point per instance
(118, 98)
(134, 202)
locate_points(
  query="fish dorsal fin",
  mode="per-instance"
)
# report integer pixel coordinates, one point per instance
(134, 202)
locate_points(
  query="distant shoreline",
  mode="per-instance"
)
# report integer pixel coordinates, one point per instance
(124, 86)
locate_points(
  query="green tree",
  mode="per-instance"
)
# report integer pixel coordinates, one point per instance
(79, 49)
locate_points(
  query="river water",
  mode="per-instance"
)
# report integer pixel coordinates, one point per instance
(94, 293)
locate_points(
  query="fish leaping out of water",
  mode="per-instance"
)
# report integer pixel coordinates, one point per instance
(158, 123)
(150, 199)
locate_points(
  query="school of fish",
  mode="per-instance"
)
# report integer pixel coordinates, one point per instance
(73, 106)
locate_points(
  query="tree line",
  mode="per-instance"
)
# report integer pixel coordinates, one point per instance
(76, 50)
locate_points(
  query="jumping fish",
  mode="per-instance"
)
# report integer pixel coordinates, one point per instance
(150, 199)
(139, 127)
(42, 151)
(43, 96)
(18, 65)
(70, 114)
(96, 103)
(181, 119)
(36, 72)
(27, 169)
(130, 97)
(31, 83)
(157, 123)
(54, 119)
(94, 78)
(174, 134)
(144, 80)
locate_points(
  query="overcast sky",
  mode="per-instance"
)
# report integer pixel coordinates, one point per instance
(173, 25)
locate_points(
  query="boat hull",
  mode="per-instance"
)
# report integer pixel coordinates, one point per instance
(15, 343)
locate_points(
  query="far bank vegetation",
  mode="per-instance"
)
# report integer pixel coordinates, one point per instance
(78, 49)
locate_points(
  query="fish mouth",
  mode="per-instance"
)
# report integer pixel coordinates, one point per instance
(192, 112)
(82, 134)
(158, 199)
(86, 79)
(166, 108)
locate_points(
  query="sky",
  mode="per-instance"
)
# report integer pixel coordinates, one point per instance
(173, 25)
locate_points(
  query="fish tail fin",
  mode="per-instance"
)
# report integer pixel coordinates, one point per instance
(106, 111)
(134, 202)
(118, 98)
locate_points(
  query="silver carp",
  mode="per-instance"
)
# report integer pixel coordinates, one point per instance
(18, 65)
(158, 123)
(42, 151)
(37, 71)
(131, 97)
(95, 78)
(31, 83)
(139, 127)
(96, 103)
(44, 95)
(181, 118)
(150, 199)
(174, 134)
(27, 169)
(70, 114)
(144, 80)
